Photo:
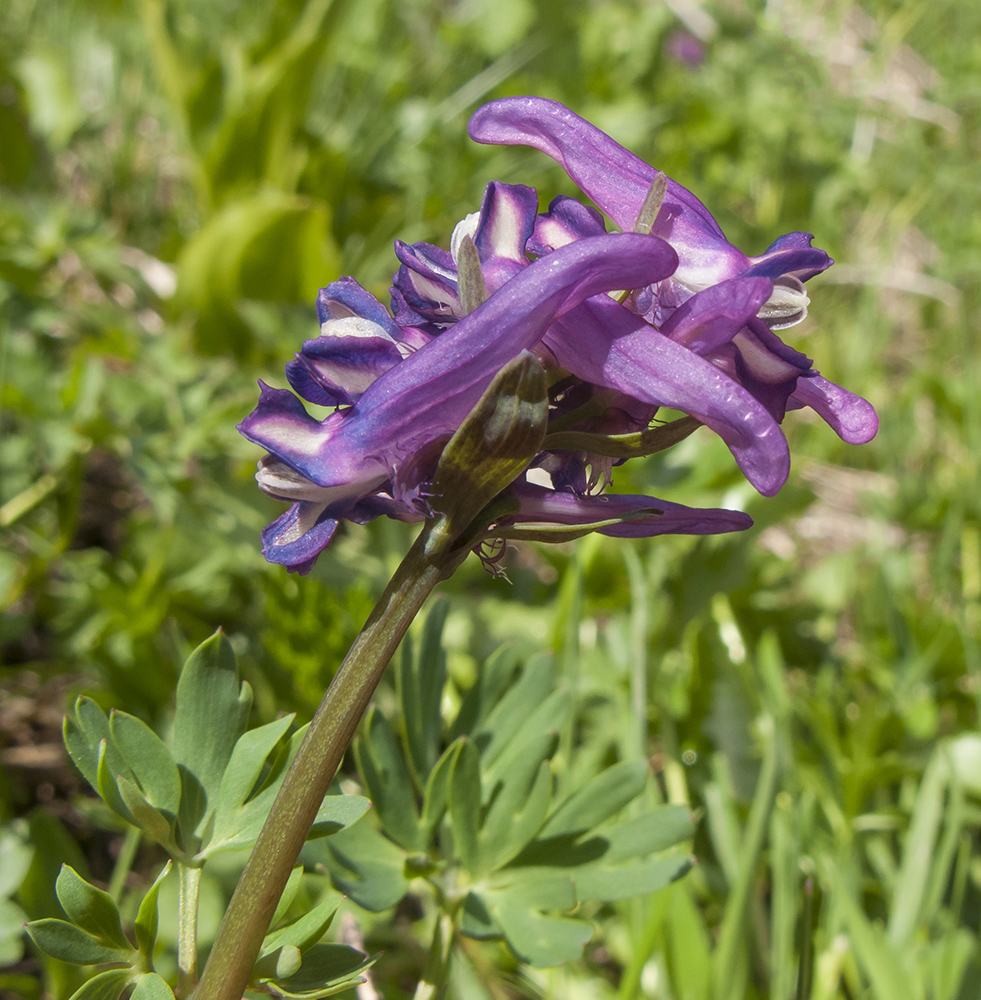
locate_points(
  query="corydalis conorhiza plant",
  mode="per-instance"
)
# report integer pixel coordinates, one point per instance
(504, 353)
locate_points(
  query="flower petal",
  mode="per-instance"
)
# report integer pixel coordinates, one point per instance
(791, 254)
(343, 361)
(852, 418)
(714, 316)
(507, 219)
(606, 344)
(566, 220)
(298, 536)
(551, 507)
(426, 396)
(427, 281)
(345, 297)
(612, 176)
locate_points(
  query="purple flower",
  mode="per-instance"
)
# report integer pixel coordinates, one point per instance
(718, 358)
(404, 388)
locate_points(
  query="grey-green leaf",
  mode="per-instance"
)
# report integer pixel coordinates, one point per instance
(65, 941)
(90, 908)
(464, 806)
(382, 767)
(157, 825)
(598, 800)
(337, 813)
(105, 986)
(149, 760)
(367, 867)
(152, 987)
(107, 777)
(508, 717)
(605, 883)
(306, 931)
(212, 713)
(515, 816)
(420, 679)
(146, 917)
(327, 969)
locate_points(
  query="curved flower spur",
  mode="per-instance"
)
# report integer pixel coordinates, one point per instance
(404, 386)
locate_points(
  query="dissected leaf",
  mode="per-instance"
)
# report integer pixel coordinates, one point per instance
(326, 969)
(599, 799)
(434, 799)
(490, 685)
(518, 809)
(280, 963)
(463, 798)
(306, 931)
(603, 883)
(337, 813)
(367, 866)
(211, 714)
(419, 680)
(65, 941)
(156, 825)
(289, 894)
(90, 908)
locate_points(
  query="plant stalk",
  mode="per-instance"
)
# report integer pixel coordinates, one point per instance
(229, 967)
(187, 929)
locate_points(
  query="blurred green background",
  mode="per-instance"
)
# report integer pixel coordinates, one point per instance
(178, 177)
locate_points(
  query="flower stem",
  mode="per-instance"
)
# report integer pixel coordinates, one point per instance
(187, 929)
(124, 862)
(229, 967)
(432, 986)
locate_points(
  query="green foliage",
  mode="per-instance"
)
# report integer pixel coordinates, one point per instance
(504, 855)
(93, 935)
(213, 790)
(129, 518)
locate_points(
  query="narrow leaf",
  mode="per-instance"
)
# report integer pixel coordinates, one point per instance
(598, 800)
(464, 805)
(420, 680)
(382, 766)
(157, 826)
(306, 931)
(146, 917)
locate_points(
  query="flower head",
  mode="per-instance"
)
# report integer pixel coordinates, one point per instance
(669, 315)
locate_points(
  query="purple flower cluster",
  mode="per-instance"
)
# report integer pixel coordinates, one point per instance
(690, 326)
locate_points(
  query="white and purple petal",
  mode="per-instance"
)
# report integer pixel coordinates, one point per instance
(565, 221)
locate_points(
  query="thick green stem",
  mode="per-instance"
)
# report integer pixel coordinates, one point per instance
(187, 929)
(226, 974)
